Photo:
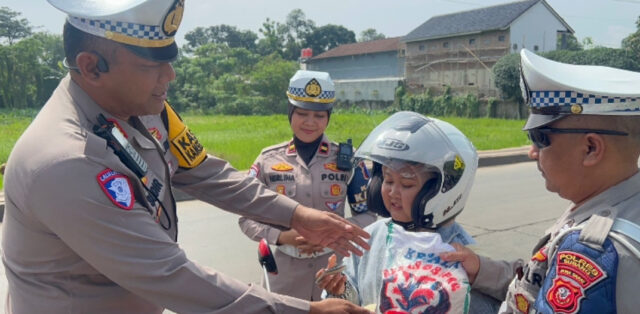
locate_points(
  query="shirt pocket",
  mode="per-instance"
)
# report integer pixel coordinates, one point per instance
(334, 189)
(284, 188)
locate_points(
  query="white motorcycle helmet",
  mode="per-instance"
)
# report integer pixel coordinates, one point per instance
(408, 137)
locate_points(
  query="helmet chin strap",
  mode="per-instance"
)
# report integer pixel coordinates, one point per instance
(411, 226)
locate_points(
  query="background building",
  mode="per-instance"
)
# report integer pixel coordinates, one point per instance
(366, 72)
(458, 50)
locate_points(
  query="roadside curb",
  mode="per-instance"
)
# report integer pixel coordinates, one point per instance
(487, 158)
(505, 156)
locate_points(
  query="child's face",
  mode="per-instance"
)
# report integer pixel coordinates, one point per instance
(399, 189)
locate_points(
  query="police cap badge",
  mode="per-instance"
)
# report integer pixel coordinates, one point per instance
(311, 90)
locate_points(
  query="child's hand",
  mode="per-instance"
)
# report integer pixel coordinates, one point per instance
(331, 281)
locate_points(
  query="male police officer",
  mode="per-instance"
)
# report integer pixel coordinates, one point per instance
(90, 225)
(585, 130)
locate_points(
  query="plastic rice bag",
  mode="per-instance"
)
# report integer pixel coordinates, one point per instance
(416, 280)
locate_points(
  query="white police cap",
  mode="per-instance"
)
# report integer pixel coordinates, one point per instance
(311, 90)
(146, 27)
(554, 90)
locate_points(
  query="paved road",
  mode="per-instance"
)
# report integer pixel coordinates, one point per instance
(507, 210)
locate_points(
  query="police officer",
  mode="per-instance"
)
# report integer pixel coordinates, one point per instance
(306, 169)
(90, 224)
(585, 131)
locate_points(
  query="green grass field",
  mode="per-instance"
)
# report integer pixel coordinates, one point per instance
(239, 139)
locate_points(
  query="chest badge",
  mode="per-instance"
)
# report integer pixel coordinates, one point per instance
(117, 187)
(333, 206)
(336, 189)
(331, 166)
(522, 303)
(541, 255)
(282, 167)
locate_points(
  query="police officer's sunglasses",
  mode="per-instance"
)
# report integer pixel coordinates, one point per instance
(540, 138)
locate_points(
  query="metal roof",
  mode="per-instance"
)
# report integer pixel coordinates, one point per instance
(373, 46)
(468, 22)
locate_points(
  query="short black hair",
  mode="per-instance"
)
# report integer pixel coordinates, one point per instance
(76, 41)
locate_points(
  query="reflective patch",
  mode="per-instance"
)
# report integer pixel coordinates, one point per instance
(184, 145)
(522, 303)
(282, 167)
(280, 189)
(187, 149)
(333, 206)
(564, 296)
(331, 166)
(117, 187)
(155, 133)
(336, 189)
(541, 255)
(254, 171)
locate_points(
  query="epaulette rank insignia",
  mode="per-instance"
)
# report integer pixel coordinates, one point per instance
(291, 149)
(324, 148)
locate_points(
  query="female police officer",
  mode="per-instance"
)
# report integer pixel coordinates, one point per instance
(308, 168)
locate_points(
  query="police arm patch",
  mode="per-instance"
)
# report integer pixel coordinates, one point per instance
(117, 187)
(254, 171)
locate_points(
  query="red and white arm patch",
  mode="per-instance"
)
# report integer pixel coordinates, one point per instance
(117, 187)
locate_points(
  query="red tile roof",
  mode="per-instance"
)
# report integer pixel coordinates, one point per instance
(373, 46)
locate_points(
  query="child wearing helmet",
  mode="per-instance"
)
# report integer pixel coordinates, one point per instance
(423, 169)
(305, 169)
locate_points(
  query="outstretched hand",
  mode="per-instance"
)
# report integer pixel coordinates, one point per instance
(470, 260)
(329, 230)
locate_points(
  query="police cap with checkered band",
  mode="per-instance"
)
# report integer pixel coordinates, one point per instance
(145, 27)
(311, 90)
(555, 90)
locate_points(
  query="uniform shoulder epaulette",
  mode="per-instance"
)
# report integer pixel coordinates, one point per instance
(274, 148)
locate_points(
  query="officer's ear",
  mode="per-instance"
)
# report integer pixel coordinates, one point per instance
(594, 149)
(89, 66)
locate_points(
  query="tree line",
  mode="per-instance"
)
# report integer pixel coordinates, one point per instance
(223, 69)
(220, 68)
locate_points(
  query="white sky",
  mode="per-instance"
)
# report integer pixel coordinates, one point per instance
(607, 22)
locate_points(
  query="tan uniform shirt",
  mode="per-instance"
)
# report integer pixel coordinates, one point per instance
(620, 201)
(319, 185)
(81, 237)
